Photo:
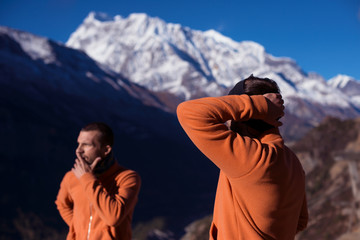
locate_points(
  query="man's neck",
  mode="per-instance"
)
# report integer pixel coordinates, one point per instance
(105, 164)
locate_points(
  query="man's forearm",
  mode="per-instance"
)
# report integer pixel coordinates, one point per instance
(66, 212)
(112, 208)
(64, 202)
(222, 109)
(203, 121)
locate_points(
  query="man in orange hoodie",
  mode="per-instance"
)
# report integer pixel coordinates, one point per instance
(98, 196)
(261, 187)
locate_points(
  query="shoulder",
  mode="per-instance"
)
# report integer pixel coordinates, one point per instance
(69, 177)
(126, 175)
(69, 180)
(124, 172)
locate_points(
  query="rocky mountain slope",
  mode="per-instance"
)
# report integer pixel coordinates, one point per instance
(330, 155)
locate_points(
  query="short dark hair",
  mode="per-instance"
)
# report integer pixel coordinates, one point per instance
(255, 86)
(107, 135)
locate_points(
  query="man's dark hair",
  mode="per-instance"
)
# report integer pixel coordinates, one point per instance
(106, 136)
(255, 86)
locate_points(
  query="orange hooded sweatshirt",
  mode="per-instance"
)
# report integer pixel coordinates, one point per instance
(99, 208)
(261, 187)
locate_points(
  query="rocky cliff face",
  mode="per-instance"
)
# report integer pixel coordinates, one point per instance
(330, 155)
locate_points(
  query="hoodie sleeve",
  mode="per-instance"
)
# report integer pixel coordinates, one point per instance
(64, 202)
(113, 208)
(304, 216)
(204, 122)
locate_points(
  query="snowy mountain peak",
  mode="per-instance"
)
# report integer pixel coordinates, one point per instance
(348, 86)
(139, 17)
(170, 58)
(171, 52)
(219, 37)
(340, 81)
(98, 16)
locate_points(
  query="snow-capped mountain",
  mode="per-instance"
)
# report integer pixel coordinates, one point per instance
(168, 57)
(347, 85)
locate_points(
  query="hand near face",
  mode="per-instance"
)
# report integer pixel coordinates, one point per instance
(81, 166)
(275, 109)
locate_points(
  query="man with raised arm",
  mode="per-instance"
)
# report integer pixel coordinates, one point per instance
(261, 186)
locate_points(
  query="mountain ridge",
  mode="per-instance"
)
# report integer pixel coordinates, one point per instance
(169, 58)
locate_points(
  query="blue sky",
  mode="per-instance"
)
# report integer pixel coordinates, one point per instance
(322, 36)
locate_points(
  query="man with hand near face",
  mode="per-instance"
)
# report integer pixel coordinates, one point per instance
(261, 187)
(98, 196)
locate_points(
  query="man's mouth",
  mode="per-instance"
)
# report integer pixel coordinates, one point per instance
(85, 158)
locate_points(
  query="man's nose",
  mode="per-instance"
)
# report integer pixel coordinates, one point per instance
(79, 149)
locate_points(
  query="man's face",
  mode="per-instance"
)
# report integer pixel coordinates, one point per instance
(89, 146)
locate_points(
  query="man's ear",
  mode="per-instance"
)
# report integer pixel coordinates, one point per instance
(108, 149)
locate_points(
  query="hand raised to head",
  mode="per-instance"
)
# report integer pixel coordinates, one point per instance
(275, 108)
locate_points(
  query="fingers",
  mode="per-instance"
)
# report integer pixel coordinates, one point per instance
(80, 167)
(276, 108)
(78, 164)
(276, 99)
(275, 123)
(78, 155)
(81, 162)
(77, 168)
(96, 161)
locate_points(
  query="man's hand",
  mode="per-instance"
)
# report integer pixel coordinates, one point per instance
(275, 109)
(81, 166)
